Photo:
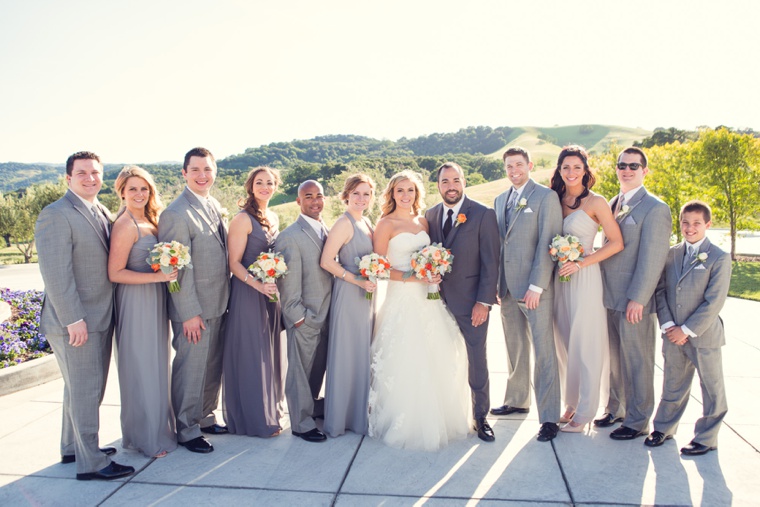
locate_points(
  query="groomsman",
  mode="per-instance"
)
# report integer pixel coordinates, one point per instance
(691, 293)
(630, 279)
(305, 299)
(529, 216)
(468, 229)
(77, 312)
(197, 311)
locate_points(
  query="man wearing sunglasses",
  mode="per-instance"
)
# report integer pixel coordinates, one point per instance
(630, 279)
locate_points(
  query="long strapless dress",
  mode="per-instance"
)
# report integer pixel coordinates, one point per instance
(580, 328)
(419, 394)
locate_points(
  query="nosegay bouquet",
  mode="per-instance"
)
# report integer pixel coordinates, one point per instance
(167, 256)
(564, 249)
(432, 260)
(373, 267)
(268, 267)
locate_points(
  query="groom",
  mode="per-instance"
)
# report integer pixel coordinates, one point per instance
(469, 230)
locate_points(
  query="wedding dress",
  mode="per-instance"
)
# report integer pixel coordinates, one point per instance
(419, 396)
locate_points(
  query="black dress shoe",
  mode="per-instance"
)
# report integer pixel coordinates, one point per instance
(71, 458)
(485, 432)
(198, 444)
(112, 471)
(215, 429)
(311, 436)
(626, 433)
(696, 449)
(656, 439)
(607, 420)
(506, 410)
(547, 432)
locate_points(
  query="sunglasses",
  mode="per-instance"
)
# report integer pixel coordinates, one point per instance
(633, 166)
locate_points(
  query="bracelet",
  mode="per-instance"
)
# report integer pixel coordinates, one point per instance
(579, 264)
(343, 276)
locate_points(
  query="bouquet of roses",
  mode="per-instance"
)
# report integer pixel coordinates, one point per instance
(268, 267)
(373, 267)
(431, 260)
(564, 249)
(167, 256)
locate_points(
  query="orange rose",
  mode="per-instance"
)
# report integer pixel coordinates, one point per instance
(461, 218)
(155, 267)
(173, 261)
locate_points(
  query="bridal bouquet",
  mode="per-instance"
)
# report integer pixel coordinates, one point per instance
(564, 249)
(268, 267)
(431, 260)
(373, 267)
(167, 256)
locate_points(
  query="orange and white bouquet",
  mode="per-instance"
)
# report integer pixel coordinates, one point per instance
(373, 267)
(268, 267)
(434, 259)
(169, 255)
(564, 249)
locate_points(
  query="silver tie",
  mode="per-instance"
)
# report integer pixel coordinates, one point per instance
(511, 204)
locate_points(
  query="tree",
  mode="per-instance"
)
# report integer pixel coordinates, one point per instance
(728, 165)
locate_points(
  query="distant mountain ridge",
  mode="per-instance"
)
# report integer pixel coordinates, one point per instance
(544, 143)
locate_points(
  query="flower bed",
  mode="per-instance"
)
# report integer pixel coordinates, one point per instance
(20, 339)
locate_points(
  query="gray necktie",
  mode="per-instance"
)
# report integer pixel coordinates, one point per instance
(95, 215)
(687, 257)
(212, 213)
(511, 204)
(620, 204)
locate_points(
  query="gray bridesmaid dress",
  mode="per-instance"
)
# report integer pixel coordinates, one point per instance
(142, 356)
(255, 361)
(352, 318)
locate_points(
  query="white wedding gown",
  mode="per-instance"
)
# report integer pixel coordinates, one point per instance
(419, 396)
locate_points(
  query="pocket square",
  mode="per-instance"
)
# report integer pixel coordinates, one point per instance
(528, 210)
(629, 221)
(700, 266)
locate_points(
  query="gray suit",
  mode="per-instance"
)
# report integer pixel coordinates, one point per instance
(632, 275)
(205, 289)
(525, 261)
(73, 257)
(475, 247)
(304, 294)
(693, 297)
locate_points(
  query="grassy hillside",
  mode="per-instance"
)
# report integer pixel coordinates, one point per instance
(545, 143)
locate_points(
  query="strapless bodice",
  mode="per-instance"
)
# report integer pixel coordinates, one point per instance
(403, 245)
(583, 226)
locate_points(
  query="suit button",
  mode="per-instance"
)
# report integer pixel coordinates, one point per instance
(679, 288)
(679, 306)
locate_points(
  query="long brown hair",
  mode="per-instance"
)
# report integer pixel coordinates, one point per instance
(249, 202)
(588, 180)
(389, 203)
(154, 205)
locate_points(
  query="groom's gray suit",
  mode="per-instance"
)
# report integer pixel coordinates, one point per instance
(73, 258)
(304, 294)
(632, 275)
(472, 280)
(197, 368)
(525, 261)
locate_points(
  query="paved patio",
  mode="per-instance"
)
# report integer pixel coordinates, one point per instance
(574, 469)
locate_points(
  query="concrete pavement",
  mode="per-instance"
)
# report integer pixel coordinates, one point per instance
(574, 469)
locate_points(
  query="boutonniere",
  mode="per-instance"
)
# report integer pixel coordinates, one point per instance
(521, 204)
(224, 212)
(700, 258)
(461, 218)
(623, 211)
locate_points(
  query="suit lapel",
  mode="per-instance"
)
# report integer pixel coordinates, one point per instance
(78, 205)
(703, 248)
(530, 186)
(464, 210)
(200, 210)
(436, 228)
(310, 233)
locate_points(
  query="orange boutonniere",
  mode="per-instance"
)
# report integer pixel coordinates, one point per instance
(461, 218)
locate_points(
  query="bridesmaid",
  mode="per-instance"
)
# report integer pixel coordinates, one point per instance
(142, 323)
(351, 313)
(580, 319)
(254, 356)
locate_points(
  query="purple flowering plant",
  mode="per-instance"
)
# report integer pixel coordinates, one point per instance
(20, 337)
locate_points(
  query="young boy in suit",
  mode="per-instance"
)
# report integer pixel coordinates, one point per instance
(692, 290)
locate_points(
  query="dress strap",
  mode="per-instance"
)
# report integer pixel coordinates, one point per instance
(139, 232)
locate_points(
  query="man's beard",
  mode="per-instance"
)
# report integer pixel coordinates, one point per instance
(452, 201)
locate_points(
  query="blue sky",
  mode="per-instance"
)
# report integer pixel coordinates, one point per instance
(143, 81)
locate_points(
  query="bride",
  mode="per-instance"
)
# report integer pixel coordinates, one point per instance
(419, 396)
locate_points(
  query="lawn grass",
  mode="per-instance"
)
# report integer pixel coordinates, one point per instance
(745, 281)
(12, 255)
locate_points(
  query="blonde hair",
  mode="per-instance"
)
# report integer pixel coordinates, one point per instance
(250, 204)
(154, 204)
(354, 181)
(389, 203)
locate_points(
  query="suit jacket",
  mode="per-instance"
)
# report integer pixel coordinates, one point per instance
(695, 295)
(305, 290)
(525, 240)
(205, 288)
(632, 274)
(73, 258)
(475, 247)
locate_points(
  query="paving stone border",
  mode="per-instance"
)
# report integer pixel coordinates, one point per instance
(29, 374)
